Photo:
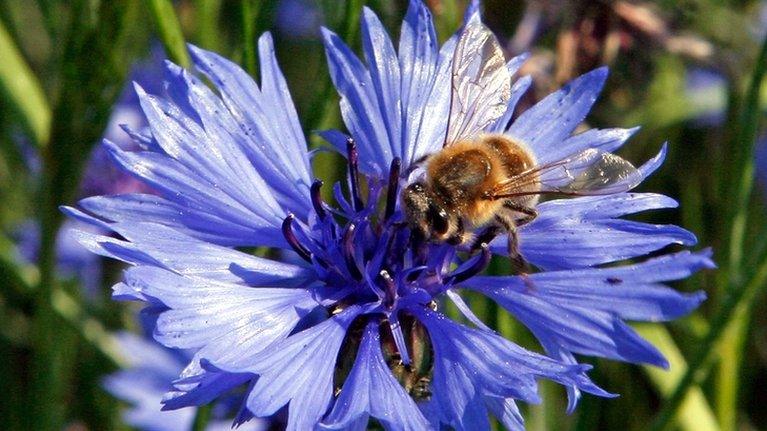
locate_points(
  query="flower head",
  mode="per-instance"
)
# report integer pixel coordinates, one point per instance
(352, 328)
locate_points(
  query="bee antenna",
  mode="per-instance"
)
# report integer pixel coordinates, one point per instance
(393, 188)
(479, 265)
(353, 159)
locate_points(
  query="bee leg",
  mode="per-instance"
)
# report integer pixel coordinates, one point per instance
(518, 263)
(418, 162)
(485, 237)
(529, 213)
(457, 237)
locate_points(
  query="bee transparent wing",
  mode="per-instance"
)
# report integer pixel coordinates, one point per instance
(590, 172)
(481, 83)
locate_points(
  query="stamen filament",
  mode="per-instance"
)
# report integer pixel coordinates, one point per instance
(348, 252)
(393, 188)
(290, 237)
(317, 199)
(354, 178)
(390, 288)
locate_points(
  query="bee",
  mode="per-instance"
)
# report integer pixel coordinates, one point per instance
(488, 180)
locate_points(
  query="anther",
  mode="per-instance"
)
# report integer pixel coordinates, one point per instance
(317, 199)
(348, 252)
(479, 265)
(354, 178)
(393, 188)
(390, 287)
(290, 236)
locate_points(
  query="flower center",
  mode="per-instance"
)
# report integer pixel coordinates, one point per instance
(366, 254)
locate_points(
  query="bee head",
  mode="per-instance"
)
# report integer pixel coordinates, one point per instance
(423, 213)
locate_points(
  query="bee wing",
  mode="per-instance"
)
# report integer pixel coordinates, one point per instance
(481, 83)
(590, 172)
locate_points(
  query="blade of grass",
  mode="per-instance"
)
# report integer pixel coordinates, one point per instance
(698, 366)
(22, 91)
(169, 28)
(208, 13)
(732, 345)
(250, 11)
(695, 414)
(89, 78)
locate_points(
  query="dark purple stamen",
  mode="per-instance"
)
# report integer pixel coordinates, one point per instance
(420, 247)
(391, 193)
(389, 287)
(317, 199)
(290, 236)
(354, 178)
(348, 252)
(478, 266)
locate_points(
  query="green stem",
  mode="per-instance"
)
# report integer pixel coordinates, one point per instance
(202, 418)
(169, 28)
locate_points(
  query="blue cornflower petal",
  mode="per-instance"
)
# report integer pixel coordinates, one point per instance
(517, 91)
(418, 56)
(471, 364)
(582, 310)
(507, 412)
(179, 183)
(603, 139)
(371, 390)
(242, 313)
(138, 208)
(359, 104)
(585, 231)
(384, 74)
(398, 107)
(267, 120)
(156, 245)
(549, 122)
(299, 370)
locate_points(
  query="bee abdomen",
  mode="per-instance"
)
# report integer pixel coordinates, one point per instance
(514, 156)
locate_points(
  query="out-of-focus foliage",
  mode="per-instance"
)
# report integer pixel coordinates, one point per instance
(681, 70)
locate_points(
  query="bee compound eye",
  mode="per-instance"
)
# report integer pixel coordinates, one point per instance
(438, 219)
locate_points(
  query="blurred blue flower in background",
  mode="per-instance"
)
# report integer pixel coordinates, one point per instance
(354, 330)
(101, 177)
(706, 92)
(298, 19)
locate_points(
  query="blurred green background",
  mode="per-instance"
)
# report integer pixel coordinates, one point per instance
(688, 72)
